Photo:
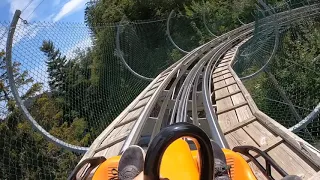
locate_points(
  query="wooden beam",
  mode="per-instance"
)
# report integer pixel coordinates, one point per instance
(239, 125)
(232, 108)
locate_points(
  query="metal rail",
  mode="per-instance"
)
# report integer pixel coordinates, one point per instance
(19, 101)
(182, 99)
(190, 67)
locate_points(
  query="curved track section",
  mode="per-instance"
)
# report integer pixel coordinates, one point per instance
(203, 89)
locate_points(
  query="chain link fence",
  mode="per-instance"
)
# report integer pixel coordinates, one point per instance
(280, 65)
(73, 81)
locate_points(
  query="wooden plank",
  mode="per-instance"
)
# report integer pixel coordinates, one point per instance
(234, 87)
(226, 61)
(226, 109)
(217, 70)
(271, 144)
(165, 74)
(239, 138)
(244, 112)
(238, 125)
(221, 93)
(121, 124)
(162, 78)
(114, 150)
(156, 86)
(131, 116)
(123, 131)
(100, 153)
(259, 134)
(230, 80)
(223, 65)
(224, 103)
(303, 162)
(126, 128)
(141, 103)
(244, 91)
(259, 175)
(228, 95)
(222, 78)
(228, 119)
(113, 133)
(109, 143)
(237, 98)
(230, 54)
(219, 78)
(150, 93)
(219, 86)
(315, 176)
(296, 142)
(221, 73)
(290, 162)
(275, 142)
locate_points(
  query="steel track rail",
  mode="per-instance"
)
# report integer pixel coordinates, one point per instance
(135, 133)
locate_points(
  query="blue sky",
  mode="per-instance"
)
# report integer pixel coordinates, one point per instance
(45, 23)
(48, 10)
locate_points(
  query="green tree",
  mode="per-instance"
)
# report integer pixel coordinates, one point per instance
(57, 66)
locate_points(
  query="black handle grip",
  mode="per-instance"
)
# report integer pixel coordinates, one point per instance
(269, 161)
(168, 135)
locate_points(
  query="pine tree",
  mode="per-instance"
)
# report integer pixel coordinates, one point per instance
(56, 67)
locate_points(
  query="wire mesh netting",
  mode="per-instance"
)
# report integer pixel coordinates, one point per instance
(280, 65)
(74, 80)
